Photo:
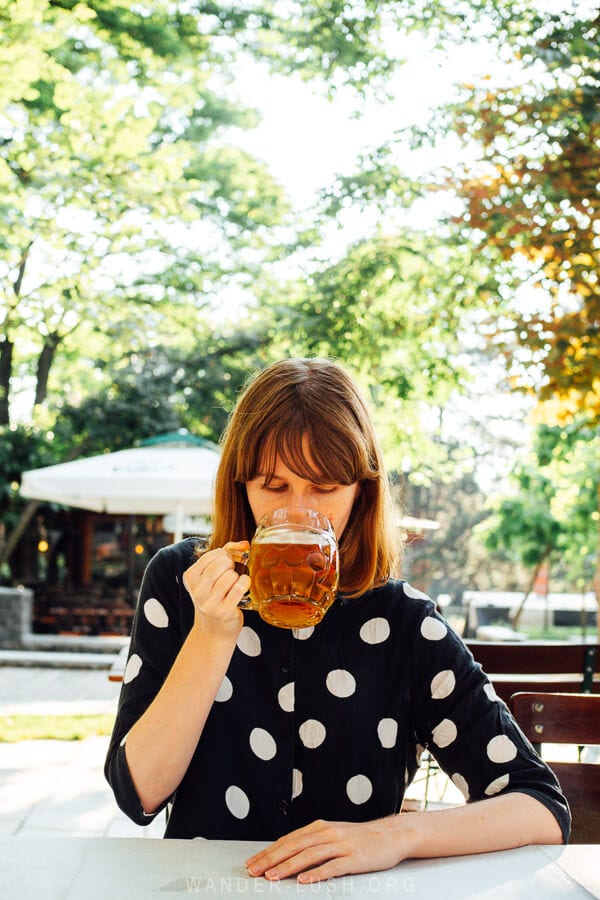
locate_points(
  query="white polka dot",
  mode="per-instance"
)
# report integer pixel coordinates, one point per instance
(433, 629)
(501, 749)
(286, 697)
(497, 785)
(375, 631)
(237, 802)
(414, 592)
(340, 683)
(444, 733)
(443, 684)
(387, 732)
(302, 634)
(262, 743)
(156, 613)
(124, 740)
(312, 733)
(249, 642)
(225, 691)
(359, 789)
(132, 669)
(461, 784)
(296, 783)
(490, 692)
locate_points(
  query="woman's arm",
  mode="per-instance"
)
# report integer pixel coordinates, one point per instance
(160, 745)
(324, 850)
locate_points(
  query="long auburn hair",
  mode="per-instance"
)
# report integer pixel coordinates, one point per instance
(314, 399)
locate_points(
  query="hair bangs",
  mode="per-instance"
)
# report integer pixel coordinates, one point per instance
(338, 459)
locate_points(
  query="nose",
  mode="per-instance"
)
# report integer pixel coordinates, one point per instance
(303, 498)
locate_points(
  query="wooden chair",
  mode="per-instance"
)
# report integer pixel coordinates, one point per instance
(555, 666)
(552, 718)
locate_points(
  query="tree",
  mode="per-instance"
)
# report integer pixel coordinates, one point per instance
(447, 559)
(551, 517)
(390, 308)
(161, 390)
(532, 200)
(570, 456)
(532, 209)
(528, 184)
(525, 528)
(125, 204)
(122, 200)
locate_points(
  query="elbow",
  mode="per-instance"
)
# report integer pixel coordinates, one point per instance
(152, 793)
(541, 824)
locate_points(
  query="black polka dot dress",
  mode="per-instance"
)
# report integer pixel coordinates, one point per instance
(326, 722)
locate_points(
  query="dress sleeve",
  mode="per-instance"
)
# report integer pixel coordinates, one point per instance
(157, 635)
(468, 729)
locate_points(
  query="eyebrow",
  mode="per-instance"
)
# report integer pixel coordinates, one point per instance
(275, 477)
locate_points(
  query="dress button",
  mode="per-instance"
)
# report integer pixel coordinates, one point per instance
(285, 668)
(283, 806)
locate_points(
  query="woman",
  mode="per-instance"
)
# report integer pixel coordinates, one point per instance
(308, 738)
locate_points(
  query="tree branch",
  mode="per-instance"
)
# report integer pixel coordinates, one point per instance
(21, 273)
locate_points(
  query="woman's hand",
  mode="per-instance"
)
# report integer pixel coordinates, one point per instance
(324, 850)
(216, 589)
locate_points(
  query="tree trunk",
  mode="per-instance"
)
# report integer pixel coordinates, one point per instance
(515, 619)
(6, 357)
(45, 360)
(7, 346)
(29, 511)
(18, 531)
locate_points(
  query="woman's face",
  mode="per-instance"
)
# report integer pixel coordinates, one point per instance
(288, 489)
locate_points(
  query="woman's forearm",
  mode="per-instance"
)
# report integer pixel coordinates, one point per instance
(325, 850)
(160, 745)
(498, 823)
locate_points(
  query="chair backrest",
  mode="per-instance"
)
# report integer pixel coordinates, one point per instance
(556, 666)
(555, 718)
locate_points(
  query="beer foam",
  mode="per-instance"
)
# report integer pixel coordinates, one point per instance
(284, 536)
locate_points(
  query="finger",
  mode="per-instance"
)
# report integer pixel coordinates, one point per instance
(219, 582)
(237, 550)
(287, 846)
(239, 589)
(228, 589)
(206, 562)
(305, 861)
(333, 868)
(236, 545)
(193, 573)
(205, 571)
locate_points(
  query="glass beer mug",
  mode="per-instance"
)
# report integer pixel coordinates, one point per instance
(293, 564)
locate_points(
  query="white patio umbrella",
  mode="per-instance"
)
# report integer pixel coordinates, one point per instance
(174, 476)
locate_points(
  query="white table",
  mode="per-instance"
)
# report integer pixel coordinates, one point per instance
(140, 869)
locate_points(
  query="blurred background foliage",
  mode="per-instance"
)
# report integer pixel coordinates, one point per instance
(149, 263)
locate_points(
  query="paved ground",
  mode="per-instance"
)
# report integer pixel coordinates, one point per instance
(55, 691)
(57, 788)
